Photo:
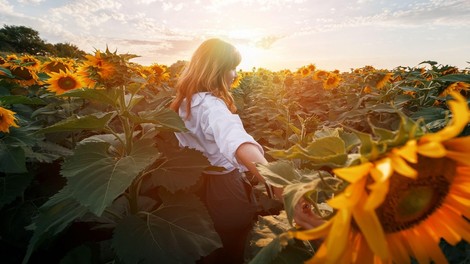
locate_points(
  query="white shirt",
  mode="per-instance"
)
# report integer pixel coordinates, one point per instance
(214, 131)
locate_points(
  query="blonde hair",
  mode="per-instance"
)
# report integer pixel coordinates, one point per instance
(206, 73)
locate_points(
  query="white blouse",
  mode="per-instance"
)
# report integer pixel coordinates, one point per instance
(214, 131)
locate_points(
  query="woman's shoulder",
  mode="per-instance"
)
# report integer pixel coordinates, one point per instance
(207, 100)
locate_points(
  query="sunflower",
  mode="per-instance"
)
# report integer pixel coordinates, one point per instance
(24, 75)
(455, 87)
(7, 120)
(86, 75)
(305, 71)
(56, 65)
(402, 203)
(311, 67)
(11, 57)
(30, 62)
(62, 82)
(320, 75)
(104, 68)
(331, 81)
(384, 80)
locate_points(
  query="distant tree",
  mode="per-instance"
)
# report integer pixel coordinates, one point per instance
(68, 50)
(21, 39)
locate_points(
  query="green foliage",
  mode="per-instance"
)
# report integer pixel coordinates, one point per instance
(138, 239)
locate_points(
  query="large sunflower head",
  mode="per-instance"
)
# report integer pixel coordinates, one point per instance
(24, 75)
(331, 82)
(62, 82)
(56, 65)
(102, 64)
(400, 202)
(7, 120)
(30, 62)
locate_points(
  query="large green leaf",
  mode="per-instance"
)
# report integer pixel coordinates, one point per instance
(12, 159)
(20, 99)
(454, 78)
(107, 96)
(164, 118)
(180, 231)
(54, 216)
(279, 173)
(12, 186)
(96, 177)
(179, 168)
(295, 252)
(93, 122)
(326, 151)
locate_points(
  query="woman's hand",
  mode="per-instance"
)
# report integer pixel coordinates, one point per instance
(305, 217)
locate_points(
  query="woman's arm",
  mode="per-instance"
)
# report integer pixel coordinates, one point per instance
(248, 154)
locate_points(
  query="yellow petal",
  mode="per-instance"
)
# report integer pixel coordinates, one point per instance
(337, 241)
(460, 118)
(372, 230)
(409, 151)
(397, 249)
(363, 253)
(416, 245)
(400, 166)
(349, 197)
(312, 234)
(460, 144)
(443, 230)
(382, 170)
(461, 157)
(432, 149)
(354, 173)
(432, 247)
(377, 195)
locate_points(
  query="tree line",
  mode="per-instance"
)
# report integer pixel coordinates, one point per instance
(21, 39)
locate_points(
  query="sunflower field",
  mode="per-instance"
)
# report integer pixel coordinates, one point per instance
(90, 170)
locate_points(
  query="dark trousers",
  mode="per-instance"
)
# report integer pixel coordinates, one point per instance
(231, 204)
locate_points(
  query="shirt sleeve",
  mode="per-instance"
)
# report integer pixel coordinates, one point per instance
(227, 130)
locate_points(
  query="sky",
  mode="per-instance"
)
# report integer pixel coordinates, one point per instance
(270, 34)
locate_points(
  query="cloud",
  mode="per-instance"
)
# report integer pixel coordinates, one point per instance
(267, 42)
(34, 2)
(5, 7)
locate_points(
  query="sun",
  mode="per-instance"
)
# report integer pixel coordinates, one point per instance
(251, 56)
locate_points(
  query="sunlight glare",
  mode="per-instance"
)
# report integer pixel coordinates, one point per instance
(251, 56)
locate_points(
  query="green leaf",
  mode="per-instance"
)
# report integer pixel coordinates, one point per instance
(96, 177)
(454, 78)
(279, 173)
(95, 121)
(78, 255)
(106, 96)
(179, 169)
(54, 216)
(430, 114)
(6, 72)
(164, 118)
(280, 251)
(326, 151)
(21, 99)
(12, 186)
(179, 231)
(12, 159)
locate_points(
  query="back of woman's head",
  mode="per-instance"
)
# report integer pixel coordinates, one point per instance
(206, 73)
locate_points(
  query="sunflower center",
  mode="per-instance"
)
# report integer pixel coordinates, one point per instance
(22, 72)
(410, 201)
(67, 83)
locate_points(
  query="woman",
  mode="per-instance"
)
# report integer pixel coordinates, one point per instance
(204, 102)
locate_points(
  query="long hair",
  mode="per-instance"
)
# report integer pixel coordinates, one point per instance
(206, 73)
